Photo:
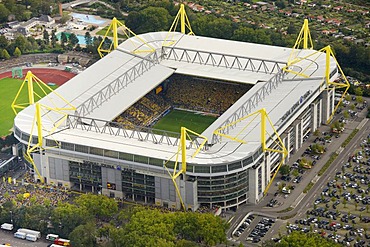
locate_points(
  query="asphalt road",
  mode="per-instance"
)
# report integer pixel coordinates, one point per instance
(297, 200)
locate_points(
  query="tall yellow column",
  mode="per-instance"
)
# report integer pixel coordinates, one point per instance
(183, 149)
(115, 34)
(263, 128)
(39, 125)
(182, 18)
(31, 98)
(305, 34)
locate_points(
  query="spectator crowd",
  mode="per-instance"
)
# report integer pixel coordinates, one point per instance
(183, 92)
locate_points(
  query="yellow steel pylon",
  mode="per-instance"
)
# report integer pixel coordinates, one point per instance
(114, 26)
(182, 148)
(329, 84)
(34, 84)
(184, 24)
(36, 89)
(38, 147)
(304, 37)
(264, 116)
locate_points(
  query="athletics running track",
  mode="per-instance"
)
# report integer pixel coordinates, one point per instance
(56, 76)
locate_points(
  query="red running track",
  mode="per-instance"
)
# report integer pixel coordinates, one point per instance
(56, 76)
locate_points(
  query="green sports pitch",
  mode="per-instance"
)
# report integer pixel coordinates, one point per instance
(8, 90)
(176, 119)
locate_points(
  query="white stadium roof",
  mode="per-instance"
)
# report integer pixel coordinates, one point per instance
(110, 86)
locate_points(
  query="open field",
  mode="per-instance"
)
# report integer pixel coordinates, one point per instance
(8, 90)
(177, 119)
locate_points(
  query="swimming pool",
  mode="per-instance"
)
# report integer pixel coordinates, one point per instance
(87, 18)
(81, 38)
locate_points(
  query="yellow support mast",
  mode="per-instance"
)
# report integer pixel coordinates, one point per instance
(184, 26)
(182, 148)
(264, 120)
(304, 37)
(328, 84)
(36, 89)
(114, 26)
(38, 147)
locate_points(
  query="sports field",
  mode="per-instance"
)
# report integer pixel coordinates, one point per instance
(176, 119)
(8, 90)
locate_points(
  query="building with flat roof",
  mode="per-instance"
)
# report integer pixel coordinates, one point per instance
(94, 154)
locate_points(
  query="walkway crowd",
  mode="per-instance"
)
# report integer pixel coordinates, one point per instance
(26, 194)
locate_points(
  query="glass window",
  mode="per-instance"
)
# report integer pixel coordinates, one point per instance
(96, 151)
(141, 159)
(68, 146)
(111, 154)
(247, 161)
(235, 166)
(189, 168)
(155, 162)
(216, 169)
(202, 169)
(82, 149)
(125, 156)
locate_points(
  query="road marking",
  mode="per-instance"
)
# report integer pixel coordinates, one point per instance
(230, 219)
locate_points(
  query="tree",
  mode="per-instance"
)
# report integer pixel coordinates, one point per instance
(4, 13)
(292, 29)
(359, 91)
(84, 235)
(66, 217)
(5, 54)
(134, 20)
(73, 40)
(88, 38)
(359, 99)
(63, 39)
(17, 52)
(284, 170)
(46, 37)
(64, 18)
(3, 42)
(97, 205)
(53, 38)
(151, 19)
(20, 42)
(346, 114)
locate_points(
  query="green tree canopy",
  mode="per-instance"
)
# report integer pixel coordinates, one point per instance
(284, 170)
(5, 54)
(97, 205)
(150, 19)
(17, 52)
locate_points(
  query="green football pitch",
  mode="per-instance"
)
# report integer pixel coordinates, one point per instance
(177, 118)
(8, 90)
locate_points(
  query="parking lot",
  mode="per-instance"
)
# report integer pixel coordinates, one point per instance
(304, 167)
(7, 237)
(254, 228)
(341, 211)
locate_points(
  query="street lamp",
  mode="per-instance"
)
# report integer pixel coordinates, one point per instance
(11, 217)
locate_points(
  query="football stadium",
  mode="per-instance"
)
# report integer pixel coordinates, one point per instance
(178, 120)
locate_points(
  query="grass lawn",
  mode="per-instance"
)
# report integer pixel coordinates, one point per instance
(8, 89)
(177, 119)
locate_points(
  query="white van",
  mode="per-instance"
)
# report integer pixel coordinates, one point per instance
(7, 226)
(52, 237)
(31, 237)
(20, 235)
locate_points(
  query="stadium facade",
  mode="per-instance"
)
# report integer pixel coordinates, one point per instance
(93, 154)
